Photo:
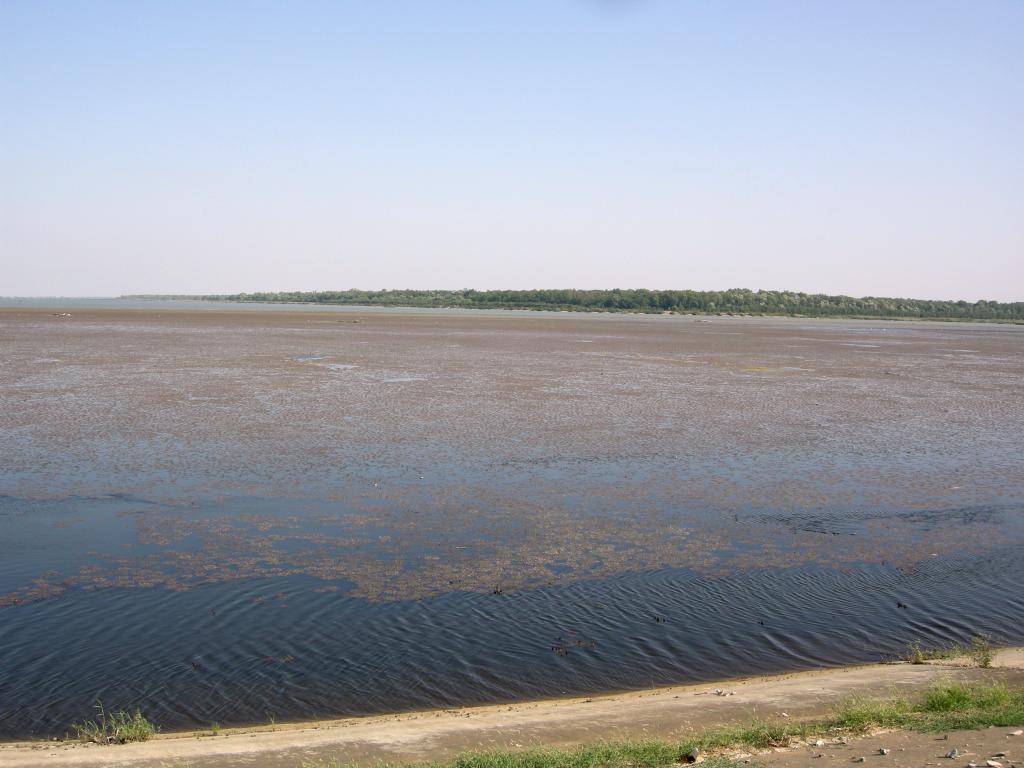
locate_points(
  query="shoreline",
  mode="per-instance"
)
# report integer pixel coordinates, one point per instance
(17, 303)
(566, 721)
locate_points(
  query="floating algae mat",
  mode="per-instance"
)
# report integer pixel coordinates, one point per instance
(232, 516)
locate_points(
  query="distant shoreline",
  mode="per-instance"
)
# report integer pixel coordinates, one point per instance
(736, 302)
(114, 304)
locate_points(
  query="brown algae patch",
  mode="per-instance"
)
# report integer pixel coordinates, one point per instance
(395, 553)
(467, 452)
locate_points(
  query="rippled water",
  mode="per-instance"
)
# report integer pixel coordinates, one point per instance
(233, 516)
(260, 649)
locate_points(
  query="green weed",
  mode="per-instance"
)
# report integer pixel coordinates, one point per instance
(118, 727)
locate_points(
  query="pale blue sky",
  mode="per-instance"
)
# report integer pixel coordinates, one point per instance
(846, 147)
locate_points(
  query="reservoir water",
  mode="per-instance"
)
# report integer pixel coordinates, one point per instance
(232, 515)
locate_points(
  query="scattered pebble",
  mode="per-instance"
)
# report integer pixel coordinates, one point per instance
(858, 759)
(993, 764)
(883, 751)
(953, 754)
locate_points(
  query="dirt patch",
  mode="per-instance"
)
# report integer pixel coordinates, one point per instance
(905, 750)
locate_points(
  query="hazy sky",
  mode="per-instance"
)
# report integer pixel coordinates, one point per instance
(845, 147)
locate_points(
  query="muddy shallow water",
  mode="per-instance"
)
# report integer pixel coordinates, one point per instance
(235, 515)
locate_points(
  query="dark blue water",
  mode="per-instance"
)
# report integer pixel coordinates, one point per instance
(275, 649)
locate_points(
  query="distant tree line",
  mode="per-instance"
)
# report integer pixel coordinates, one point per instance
(735, 301)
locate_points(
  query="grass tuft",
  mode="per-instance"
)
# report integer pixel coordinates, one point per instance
(946, 706)
(961, 698)
(979, 650)
(118, 727)
(859, 714)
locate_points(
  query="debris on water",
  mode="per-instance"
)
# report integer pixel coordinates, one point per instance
(901, 605)
(660, 619)
(279, 660)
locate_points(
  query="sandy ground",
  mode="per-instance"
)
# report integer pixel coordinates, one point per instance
(659, 713)
(907, 750)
